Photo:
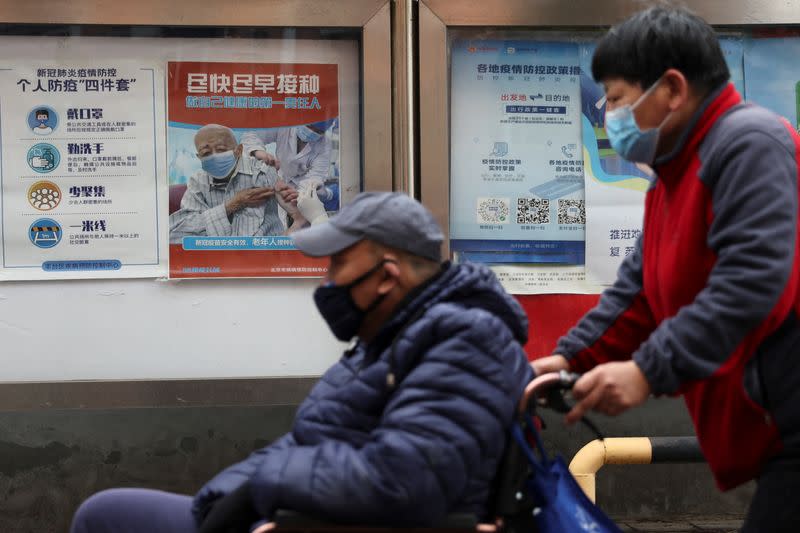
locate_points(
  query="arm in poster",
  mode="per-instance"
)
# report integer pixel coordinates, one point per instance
(287, 197)
(320, 168)
(616, 327)
(255, 144)
(197, 217)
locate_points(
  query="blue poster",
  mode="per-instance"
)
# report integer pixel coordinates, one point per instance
(773, 75)
(733, 49)
(516, 162)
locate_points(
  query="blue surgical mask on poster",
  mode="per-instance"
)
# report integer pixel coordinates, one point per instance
(625, 136)
(307, 135)
(219, 165)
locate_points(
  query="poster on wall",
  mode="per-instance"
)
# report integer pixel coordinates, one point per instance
(516, 189)
(79, 172)
(773, 75)
(615, 188)
(245, 140)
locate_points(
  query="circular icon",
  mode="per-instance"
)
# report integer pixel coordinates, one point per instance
(42, 120)
(45, 233)
(43, 158)
(44, 195)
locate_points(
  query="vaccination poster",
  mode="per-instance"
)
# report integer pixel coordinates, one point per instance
(244, 140)
(79, 175)
(516, 188)
(615, 188)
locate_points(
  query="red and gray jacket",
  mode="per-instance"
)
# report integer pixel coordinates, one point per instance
(708, 303)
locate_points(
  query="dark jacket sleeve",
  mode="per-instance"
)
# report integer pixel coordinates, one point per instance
(616, 327)
(753, 234)
(233, 477)
(460, 396)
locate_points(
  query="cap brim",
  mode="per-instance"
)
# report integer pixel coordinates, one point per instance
(324, 240)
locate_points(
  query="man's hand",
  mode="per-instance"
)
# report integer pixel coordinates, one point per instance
(287, 198)
(551, 363)
(287, 193)
(233, 513)
(267, 158)
(252, 197)
(610, 388)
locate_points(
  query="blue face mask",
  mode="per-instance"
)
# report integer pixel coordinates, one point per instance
(337, 307)
(625, 136)
(307, 135)
(219, 165)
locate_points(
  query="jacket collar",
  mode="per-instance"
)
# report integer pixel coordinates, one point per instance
(672, 165)
(415, 302)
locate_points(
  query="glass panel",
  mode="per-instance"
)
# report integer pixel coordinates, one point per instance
(106, 172)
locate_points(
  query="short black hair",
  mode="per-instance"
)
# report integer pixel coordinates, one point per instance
(641, 48)
(43, 112)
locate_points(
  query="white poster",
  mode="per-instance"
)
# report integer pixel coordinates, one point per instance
(545, 279)
(80, 168)
(516, 192)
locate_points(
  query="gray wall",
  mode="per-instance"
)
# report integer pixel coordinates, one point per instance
(50, 460)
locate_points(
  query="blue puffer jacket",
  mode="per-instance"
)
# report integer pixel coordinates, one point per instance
(363, 451)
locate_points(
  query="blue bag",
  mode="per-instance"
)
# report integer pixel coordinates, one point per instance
(560, 504)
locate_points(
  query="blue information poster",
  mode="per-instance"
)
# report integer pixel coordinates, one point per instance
(516, 162)
(773, 75)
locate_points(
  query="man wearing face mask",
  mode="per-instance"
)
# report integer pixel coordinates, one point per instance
(232, 195)
(42, 117)
(407, 427)
(707, 305)
(302, 154)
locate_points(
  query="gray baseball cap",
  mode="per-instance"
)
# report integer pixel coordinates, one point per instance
(389, 218)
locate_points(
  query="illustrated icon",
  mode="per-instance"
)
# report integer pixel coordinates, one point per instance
(43, 158)
(500, 149)
(45, 233)
(42, 120)
(44, 195)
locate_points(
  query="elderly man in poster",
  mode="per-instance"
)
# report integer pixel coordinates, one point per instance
(233, 194)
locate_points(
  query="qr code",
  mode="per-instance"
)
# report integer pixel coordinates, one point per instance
(493, 210)
(572, 211)
(533, 211)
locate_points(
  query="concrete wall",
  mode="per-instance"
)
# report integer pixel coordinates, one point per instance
(51, 460)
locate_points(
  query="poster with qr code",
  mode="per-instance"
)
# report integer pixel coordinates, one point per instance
(516, 163)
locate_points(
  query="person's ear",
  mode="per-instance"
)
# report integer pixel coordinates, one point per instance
(391, 278)
(239, 150)
(677, 88)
